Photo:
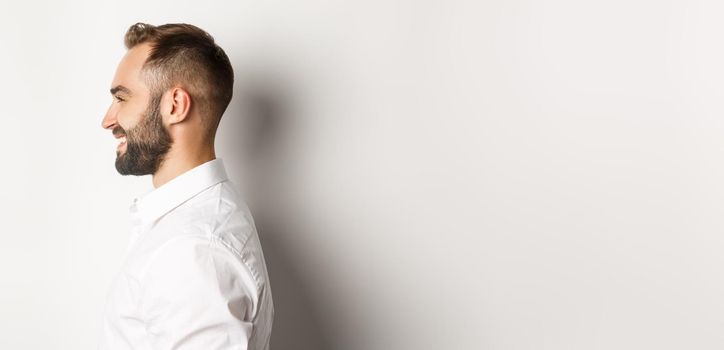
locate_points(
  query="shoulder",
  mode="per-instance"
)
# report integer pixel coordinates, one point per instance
(221, 213)
(213, 211)
(188, 252)
(215, 226)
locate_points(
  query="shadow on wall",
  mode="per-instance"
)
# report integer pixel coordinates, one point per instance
(261, 139)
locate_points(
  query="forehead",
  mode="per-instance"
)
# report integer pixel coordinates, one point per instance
(128, 72)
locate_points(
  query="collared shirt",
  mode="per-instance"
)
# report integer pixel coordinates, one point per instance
(194, 275)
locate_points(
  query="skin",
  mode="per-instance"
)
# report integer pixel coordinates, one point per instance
(164, 147)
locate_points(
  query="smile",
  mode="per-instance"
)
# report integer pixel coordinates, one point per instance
(123, 142)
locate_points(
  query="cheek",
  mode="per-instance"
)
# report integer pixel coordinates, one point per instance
(128, 120)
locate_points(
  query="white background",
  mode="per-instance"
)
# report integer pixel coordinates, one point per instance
(424, 174)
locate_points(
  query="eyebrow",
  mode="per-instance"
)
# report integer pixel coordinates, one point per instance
(120, 88)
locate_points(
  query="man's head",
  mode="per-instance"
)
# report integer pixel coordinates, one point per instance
(170, 90)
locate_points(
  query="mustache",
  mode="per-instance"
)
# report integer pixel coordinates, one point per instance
(118, 132)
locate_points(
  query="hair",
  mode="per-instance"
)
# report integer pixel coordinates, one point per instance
(186, 56)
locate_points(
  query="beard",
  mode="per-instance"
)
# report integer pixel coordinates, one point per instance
(146, 144)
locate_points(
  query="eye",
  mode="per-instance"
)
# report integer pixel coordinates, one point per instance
(118, 98)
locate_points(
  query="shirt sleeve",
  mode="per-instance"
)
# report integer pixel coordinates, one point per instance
(195, 296)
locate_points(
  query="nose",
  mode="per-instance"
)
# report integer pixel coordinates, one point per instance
(109, 120)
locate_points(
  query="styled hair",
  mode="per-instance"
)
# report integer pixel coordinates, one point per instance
(186, 56)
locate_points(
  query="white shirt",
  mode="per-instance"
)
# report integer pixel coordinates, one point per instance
(194, 275)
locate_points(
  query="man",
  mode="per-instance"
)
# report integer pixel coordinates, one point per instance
(194, 276)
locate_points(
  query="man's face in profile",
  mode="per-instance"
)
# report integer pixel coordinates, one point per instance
(136, 118)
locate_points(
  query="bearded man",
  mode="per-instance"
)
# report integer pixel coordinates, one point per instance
(194, 274)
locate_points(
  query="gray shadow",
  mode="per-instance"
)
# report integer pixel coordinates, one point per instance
(264, 105)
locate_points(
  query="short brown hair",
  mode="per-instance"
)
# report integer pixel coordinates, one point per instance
(183, 54)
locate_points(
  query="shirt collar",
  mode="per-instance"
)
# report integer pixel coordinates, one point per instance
(159, 201)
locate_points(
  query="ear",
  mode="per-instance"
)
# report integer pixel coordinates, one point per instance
(178, 104)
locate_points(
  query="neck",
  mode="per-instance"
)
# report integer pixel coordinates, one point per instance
(180, 160)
